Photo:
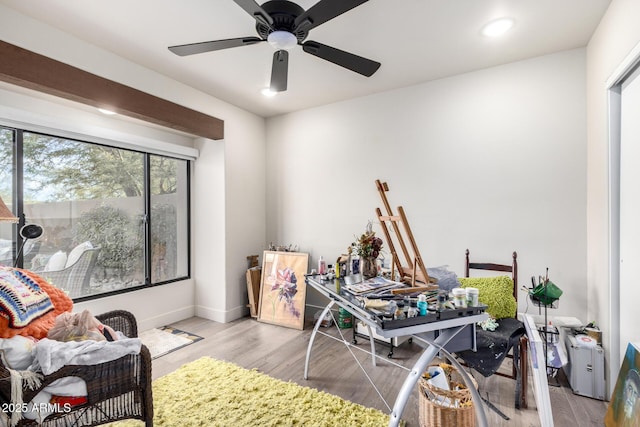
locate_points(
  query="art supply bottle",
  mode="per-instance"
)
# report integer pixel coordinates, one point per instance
(413, 310)
(422, 305)
(551, 333)
(331, 273)
(392, 309)
(322, 266)
(443, 297)
(400, 314)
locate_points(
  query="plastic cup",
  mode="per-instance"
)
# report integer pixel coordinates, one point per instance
(472, 297)
(459, 297)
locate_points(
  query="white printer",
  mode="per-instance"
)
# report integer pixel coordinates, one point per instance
(585, 369)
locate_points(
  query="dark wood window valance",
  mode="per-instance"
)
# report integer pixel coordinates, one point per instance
(34, 71)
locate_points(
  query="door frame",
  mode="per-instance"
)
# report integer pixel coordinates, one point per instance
(614, 98)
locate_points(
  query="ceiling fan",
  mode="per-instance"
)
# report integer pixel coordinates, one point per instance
(284, 24)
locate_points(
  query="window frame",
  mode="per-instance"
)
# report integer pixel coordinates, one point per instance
(182, 154)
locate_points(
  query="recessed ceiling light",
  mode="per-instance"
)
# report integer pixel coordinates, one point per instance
(498, 27)
(107, 112)
(268, 92)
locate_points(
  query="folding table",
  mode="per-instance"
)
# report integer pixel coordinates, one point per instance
(434, 333)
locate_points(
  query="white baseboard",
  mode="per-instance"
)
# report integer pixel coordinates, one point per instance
(222, 316)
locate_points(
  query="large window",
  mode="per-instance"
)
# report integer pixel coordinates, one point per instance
(113, 219)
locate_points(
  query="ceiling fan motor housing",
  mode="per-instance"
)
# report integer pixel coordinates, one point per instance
(284, 14)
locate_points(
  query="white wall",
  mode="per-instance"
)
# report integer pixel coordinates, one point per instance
(245, 206)
(229, 208)
(615, 37)
(493, 161)
(153, 307)
(228, 179)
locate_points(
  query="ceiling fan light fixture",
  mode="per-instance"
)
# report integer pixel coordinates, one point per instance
(282, 40)
(268, 92)
(497, 27)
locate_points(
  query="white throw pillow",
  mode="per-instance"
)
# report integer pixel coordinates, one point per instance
(77, 252)
(57, 262)
(18, 352)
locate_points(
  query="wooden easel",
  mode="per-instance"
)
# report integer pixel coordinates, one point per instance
(415, 271)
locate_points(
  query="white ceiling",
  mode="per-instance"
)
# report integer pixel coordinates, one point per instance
(415, 40)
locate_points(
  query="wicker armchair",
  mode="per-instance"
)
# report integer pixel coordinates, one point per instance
(117, 390)
(75, 279)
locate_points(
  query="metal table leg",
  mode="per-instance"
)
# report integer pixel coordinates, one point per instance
(313, 336)
(373, 345)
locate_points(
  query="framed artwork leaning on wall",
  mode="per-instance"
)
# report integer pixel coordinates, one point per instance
(283, 289)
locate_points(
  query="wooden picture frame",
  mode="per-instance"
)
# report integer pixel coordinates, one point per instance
(254, 275)
(283, 289)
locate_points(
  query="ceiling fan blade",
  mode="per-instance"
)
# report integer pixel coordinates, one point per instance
(279, 71)
(258, 13)
(324, 11)
(193, 48)
(353, 62)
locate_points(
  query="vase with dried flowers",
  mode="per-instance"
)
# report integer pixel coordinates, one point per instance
(367, 247)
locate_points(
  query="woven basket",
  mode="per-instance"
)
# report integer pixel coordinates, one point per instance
(432, 412)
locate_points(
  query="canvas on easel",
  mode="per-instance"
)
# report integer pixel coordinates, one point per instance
(283, 288)
(624, 407)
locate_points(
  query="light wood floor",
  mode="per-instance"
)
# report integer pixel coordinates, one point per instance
(280, 353)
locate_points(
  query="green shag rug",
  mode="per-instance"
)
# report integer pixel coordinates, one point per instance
(210, 392)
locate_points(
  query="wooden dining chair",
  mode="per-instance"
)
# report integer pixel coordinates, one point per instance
(511, 329)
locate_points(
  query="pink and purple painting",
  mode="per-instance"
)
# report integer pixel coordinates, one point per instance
(283, 288)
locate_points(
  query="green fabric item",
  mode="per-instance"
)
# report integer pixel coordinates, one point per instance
(495, 292)
(547, 294)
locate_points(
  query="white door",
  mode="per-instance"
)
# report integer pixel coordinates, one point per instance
(630, 212)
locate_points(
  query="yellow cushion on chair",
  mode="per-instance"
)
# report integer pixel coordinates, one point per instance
(494, 292)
